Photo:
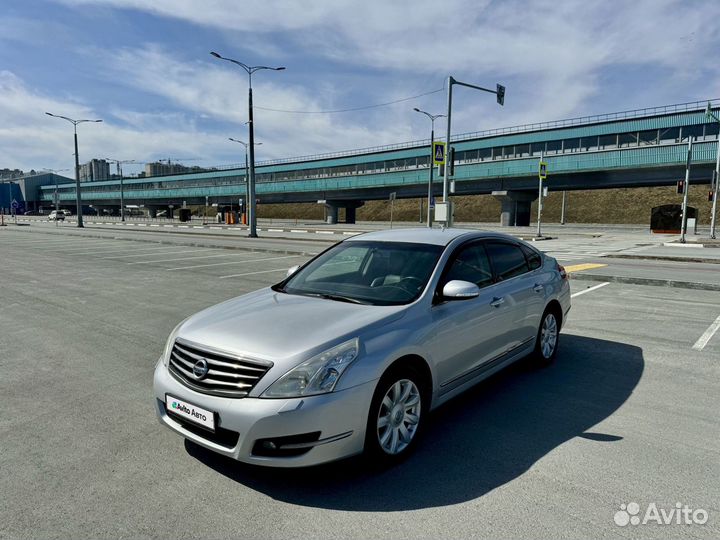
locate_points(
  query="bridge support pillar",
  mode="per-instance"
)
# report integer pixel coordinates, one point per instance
(515, 207)
(350, 210)
(152, 211)
(334, 206)
(331, 213)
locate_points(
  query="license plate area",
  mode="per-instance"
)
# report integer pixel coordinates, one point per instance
(190, 412)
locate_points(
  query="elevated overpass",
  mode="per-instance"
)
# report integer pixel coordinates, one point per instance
(646, 147)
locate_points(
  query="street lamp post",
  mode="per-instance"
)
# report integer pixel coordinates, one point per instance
(432, 118)
(716, 179)
(247, 178)
(118, 163)
(499, 92)
(251, 179)
(77, 164)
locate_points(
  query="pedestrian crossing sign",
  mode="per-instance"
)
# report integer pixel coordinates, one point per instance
(438, 150)
(542, 171)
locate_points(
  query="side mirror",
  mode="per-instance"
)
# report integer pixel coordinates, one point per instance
(460, 290)
(292, 270)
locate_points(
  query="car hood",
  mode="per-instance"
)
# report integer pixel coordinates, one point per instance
(282, 328)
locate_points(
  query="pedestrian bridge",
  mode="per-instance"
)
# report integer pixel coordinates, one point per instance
(645, 147)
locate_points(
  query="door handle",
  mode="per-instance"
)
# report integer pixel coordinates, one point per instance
(497, 302)
(538, 288)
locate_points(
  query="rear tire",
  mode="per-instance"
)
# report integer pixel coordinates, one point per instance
(396, 417)
(548, 338)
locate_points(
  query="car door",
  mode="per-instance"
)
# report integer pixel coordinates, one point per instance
(515, 287)
(539, 280)
(467, 333)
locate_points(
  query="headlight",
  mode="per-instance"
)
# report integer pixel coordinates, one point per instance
(319, 375)
(169, 344)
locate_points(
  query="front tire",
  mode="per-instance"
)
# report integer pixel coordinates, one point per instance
(548, 338)
(396, 417)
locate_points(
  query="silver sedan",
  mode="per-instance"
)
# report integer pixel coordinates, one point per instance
(352, 350)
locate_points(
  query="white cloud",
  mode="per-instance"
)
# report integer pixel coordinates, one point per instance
(31, 139)
(555, 52)
(219, 91)
(557, 59)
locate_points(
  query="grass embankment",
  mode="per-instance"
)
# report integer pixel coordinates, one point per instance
(627, 205)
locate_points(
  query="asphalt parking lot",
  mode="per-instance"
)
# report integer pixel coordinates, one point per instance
(628, 413)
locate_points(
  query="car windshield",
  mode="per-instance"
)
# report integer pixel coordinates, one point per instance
(376, 273)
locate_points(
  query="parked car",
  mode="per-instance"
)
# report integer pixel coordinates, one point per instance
(67, 213)
(56, 215)
(352, 350)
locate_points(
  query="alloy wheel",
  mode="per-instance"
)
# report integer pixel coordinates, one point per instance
(399, 416)
(548, 336)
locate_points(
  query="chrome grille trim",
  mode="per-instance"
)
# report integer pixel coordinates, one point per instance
(228, 375)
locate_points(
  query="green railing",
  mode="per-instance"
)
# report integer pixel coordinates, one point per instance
(628, 158)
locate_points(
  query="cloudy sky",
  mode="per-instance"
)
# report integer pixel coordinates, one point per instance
(143, 66)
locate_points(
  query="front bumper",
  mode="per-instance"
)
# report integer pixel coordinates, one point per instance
(340, 417)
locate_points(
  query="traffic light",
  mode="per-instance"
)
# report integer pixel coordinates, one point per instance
(500, 94)
(680, 187)
(451, 161)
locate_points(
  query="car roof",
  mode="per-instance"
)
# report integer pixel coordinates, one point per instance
(425, 235)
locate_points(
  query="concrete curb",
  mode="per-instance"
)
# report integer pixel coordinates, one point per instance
(649, 281)
(180, 243)
(162, 227)
(663, 258)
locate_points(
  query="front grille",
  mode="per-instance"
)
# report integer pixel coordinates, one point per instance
(228, 375)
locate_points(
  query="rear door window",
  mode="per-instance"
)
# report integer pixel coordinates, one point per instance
(507, 259)
(533, 257)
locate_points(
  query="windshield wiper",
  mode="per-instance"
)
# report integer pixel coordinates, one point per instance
(340, 298)
(328, 296)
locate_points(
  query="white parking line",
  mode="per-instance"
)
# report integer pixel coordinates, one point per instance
(252, 273)
(298, 230)
(276, 230)
(46, 244)
(233, 262)
(590, 289)
(707, 336)
(58, 240)
(167, 250)
(188, 258)
(106, 250)
(324, 232)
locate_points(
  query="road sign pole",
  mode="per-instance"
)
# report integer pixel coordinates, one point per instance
(685, 194)
(393, 195)
(78, 203)
(430, 180)
(562, 210)
(446, 182)
(540, 197)
(716, 184)
(122, 193)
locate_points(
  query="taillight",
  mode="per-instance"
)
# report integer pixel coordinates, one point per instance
(561, 269)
